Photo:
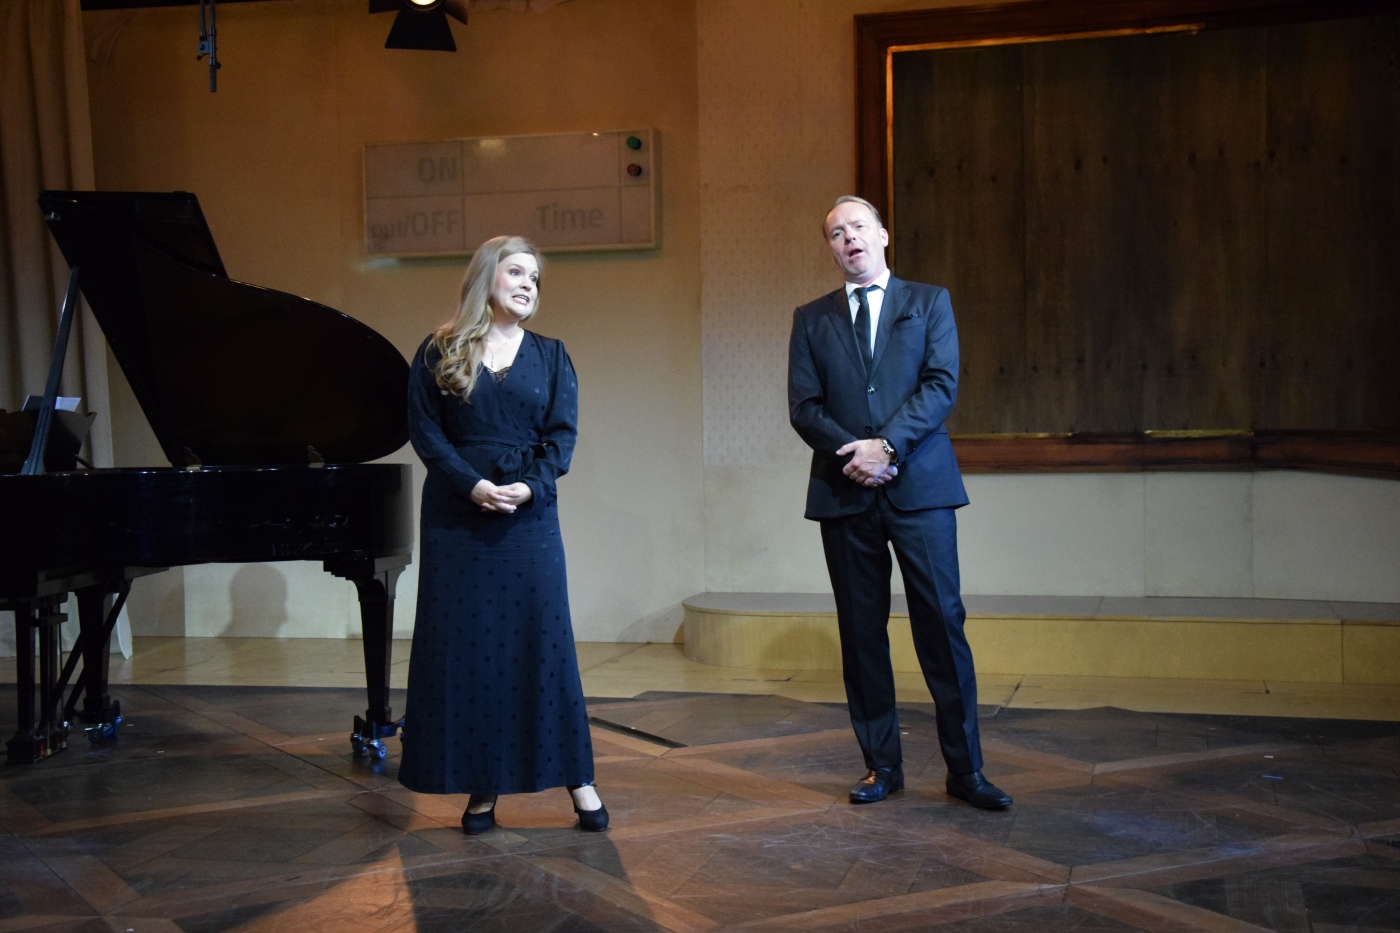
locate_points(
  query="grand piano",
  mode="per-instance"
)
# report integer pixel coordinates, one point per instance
(267, 407)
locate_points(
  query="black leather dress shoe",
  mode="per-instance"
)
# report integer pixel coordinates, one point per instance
(978, 791)
(877, 785)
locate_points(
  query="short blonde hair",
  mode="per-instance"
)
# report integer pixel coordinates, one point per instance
(459, 340)
(853, 199)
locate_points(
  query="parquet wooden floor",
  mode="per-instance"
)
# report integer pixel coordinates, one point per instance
(241, 808)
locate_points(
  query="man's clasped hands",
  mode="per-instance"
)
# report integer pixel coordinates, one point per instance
(870, 465)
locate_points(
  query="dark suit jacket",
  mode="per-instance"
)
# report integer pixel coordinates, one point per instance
(910, 391)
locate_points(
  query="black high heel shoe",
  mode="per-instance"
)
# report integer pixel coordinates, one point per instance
(474, 824)
(590, 821)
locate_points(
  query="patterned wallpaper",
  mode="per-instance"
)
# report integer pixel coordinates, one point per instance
(747, 298)
(777, 110)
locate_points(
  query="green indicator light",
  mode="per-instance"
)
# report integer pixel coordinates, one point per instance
(633, 142)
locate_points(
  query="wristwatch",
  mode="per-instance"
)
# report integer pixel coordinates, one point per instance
(889, 449)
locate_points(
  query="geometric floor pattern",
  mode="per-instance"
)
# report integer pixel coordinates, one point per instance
(241, 808)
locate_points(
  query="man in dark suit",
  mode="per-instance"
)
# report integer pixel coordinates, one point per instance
(872, 375)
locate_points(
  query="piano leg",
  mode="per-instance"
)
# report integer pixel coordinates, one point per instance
(375, 580)
(25, 746)
(97, 615)
(33, 742)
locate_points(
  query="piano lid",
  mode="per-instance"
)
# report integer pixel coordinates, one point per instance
(226, 373)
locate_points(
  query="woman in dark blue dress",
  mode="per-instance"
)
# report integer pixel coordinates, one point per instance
(495, 705)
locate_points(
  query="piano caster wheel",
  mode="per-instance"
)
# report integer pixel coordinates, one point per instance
(97, 734)
(368, 738)
(374, 748)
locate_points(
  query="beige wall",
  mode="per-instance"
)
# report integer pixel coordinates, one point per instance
(683, 482)
(777, 145)
(274, 156)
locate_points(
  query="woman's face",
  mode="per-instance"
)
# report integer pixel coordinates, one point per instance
(516, 289)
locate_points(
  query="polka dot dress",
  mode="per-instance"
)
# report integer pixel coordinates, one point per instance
(495, 705)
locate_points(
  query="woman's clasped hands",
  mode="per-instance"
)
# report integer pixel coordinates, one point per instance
(505, 499)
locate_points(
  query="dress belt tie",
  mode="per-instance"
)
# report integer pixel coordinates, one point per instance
(513, 462)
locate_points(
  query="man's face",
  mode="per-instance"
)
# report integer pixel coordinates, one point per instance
(857, 242)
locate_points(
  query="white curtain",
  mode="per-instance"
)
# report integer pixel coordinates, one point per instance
(45, 142)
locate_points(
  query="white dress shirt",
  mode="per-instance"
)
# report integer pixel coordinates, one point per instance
(875, 298)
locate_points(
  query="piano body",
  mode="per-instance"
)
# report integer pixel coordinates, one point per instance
(266, 405)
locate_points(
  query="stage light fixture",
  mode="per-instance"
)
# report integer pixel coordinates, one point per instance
(421, 24)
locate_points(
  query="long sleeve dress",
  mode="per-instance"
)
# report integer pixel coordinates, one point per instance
(495, 705)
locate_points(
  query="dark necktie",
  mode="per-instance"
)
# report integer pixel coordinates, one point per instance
(863, 328)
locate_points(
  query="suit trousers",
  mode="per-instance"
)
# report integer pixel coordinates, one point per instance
(858, 559)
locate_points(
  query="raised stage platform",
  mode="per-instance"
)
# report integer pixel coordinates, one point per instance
(1299, 641)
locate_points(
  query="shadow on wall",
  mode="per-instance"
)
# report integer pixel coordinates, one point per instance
(666, 626)
(614, 546)
(171, 611)
(156, 605)
(257, 602)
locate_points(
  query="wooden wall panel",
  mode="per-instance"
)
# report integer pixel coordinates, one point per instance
(1085, 347)
(1332, 327)
(959, 216)
(1144, 231)
(1198, 247)
(1206, 234)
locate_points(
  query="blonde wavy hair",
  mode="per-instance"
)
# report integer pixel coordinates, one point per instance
(459, 341)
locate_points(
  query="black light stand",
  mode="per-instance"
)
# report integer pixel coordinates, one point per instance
(209, 42)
